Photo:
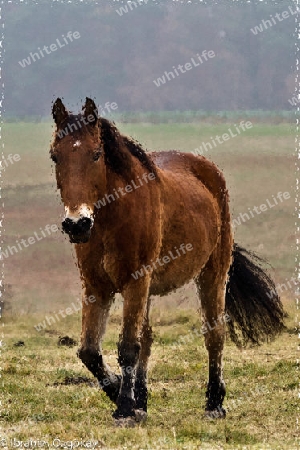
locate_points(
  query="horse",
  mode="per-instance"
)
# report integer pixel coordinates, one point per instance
(145, 224)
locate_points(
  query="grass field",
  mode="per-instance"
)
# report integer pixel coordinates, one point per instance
(43, 278)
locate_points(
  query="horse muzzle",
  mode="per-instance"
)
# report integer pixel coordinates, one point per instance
(79, 230)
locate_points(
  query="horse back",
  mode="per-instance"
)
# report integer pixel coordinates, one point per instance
(185, 165)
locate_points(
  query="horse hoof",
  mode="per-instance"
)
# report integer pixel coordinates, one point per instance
(125, 422)
(218, 413)
(140, 415)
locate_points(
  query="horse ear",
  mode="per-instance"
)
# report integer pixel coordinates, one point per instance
(59, 112)
(90, 111)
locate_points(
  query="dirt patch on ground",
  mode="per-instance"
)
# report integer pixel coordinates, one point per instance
(75, 381)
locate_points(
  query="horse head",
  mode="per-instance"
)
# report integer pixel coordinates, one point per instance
(77, 152)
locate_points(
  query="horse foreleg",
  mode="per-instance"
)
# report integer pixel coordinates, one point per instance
(94, 320)
(129, 348)
(140, 388)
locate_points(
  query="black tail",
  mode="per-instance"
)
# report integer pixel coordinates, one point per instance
(255, 310)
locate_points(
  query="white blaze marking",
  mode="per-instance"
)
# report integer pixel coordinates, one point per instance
(77, 144)
(82, 211)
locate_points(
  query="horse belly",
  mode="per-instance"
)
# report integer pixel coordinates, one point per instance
(187, 245)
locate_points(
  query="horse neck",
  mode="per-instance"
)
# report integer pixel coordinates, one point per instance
(123, 165)
(128, 176)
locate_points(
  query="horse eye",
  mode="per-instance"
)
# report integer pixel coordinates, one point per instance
(96, 155)
(54, 158)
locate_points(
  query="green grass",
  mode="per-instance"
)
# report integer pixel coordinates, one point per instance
(42, 279)
(261, 390)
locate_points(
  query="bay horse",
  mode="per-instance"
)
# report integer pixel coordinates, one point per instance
(145, 224)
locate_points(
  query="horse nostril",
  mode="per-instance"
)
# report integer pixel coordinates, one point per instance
(67, 225)
(84, 224)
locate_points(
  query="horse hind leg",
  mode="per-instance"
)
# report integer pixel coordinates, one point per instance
(94, 319)
(211, 288)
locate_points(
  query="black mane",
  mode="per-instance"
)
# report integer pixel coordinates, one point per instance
(118, 159)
